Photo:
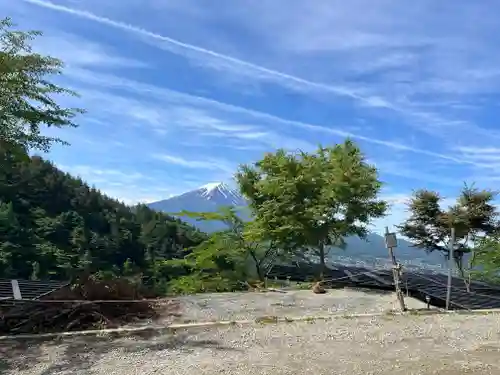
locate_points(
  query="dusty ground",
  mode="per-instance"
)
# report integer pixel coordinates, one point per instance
(432, 344)
(241, 306)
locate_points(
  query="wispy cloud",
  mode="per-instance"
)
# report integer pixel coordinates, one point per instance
(210, 164)
(213, 59)
(417, 173)
(398, 210)
(145, 89)
(129, 185)
(79, 52)
(485, 158)
(406, 82)
(370, 37)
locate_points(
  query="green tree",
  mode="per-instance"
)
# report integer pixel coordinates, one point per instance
(487, 262)
(27, 96)
(307, 202)
(242, 239)
(17, 245)
(474, 215)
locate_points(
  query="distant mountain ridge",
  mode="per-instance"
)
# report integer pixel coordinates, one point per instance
(207, 198)
(210, 197)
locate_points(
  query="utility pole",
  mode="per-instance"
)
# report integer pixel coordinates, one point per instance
(390, 243)
(450, 267)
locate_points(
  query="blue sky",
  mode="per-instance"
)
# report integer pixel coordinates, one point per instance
(180, 92)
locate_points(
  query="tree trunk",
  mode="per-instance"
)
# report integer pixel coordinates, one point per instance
(257, 266)
(471, 266)
(460, 266)
(321, 261)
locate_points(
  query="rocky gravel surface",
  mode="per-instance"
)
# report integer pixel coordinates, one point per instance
(383, 344)
(432, 344)
(242, 306)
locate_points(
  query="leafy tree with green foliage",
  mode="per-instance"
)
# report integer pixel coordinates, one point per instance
(224, 261)
(243, 236)
(487, 261)
(27, 96)
(305, 202)
(473, 216)
(17, 247)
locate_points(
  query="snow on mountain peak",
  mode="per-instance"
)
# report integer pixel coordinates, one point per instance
(213, 186)
(219, 190)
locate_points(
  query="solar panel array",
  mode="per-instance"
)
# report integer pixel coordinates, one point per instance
(416, 284)
(30, 289)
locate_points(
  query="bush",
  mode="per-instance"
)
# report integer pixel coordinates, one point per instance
(203, 283)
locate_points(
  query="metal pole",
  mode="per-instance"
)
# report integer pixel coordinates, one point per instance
(395, 274)
(450, 267)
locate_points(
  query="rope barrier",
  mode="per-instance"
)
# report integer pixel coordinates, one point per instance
(86, 301)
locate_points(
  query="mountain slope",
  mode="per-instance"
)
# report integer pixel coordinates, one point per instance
(207, 198)
(53, 226)
(210, 197)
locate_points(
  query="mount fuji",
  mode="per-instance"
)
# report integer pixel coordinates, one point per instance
(207, 198)
(210, 197)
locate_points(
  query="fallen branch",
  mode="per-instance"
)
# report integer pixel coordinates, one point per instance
(90, 304)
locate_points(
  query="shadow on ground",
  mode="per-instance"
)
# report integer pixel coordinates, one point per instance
(377, 292)
(79, 354)
(12, 351)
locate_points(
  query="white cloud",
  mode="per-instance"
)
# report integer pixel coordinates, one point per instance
(393, 50)
(128, 185)
(424, 175)
(209, 163)
(485, 159)
(76, 51)
(398, 211)
(352, 39)
(213, 59)
(138, 88)
(96, 175)
(394, 62)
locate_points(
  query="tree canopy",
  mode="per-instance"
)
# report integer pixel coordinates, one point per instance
(473, 215)
(308, 201)
(235, 255)
(487, 261)
(27, 94)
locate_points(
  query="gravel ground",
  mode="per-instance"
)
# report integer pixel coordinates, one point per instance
(242, 306)
(398, 345)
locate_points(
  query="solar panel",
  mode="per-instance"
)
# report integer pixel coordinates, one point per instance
(417, 284)
(30, 289)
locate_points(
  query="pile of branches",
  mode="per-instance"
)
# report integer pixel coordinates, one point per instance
(87, 304)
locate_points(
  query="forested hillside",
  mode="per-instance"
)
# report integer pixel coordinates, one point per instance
(53, 225)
